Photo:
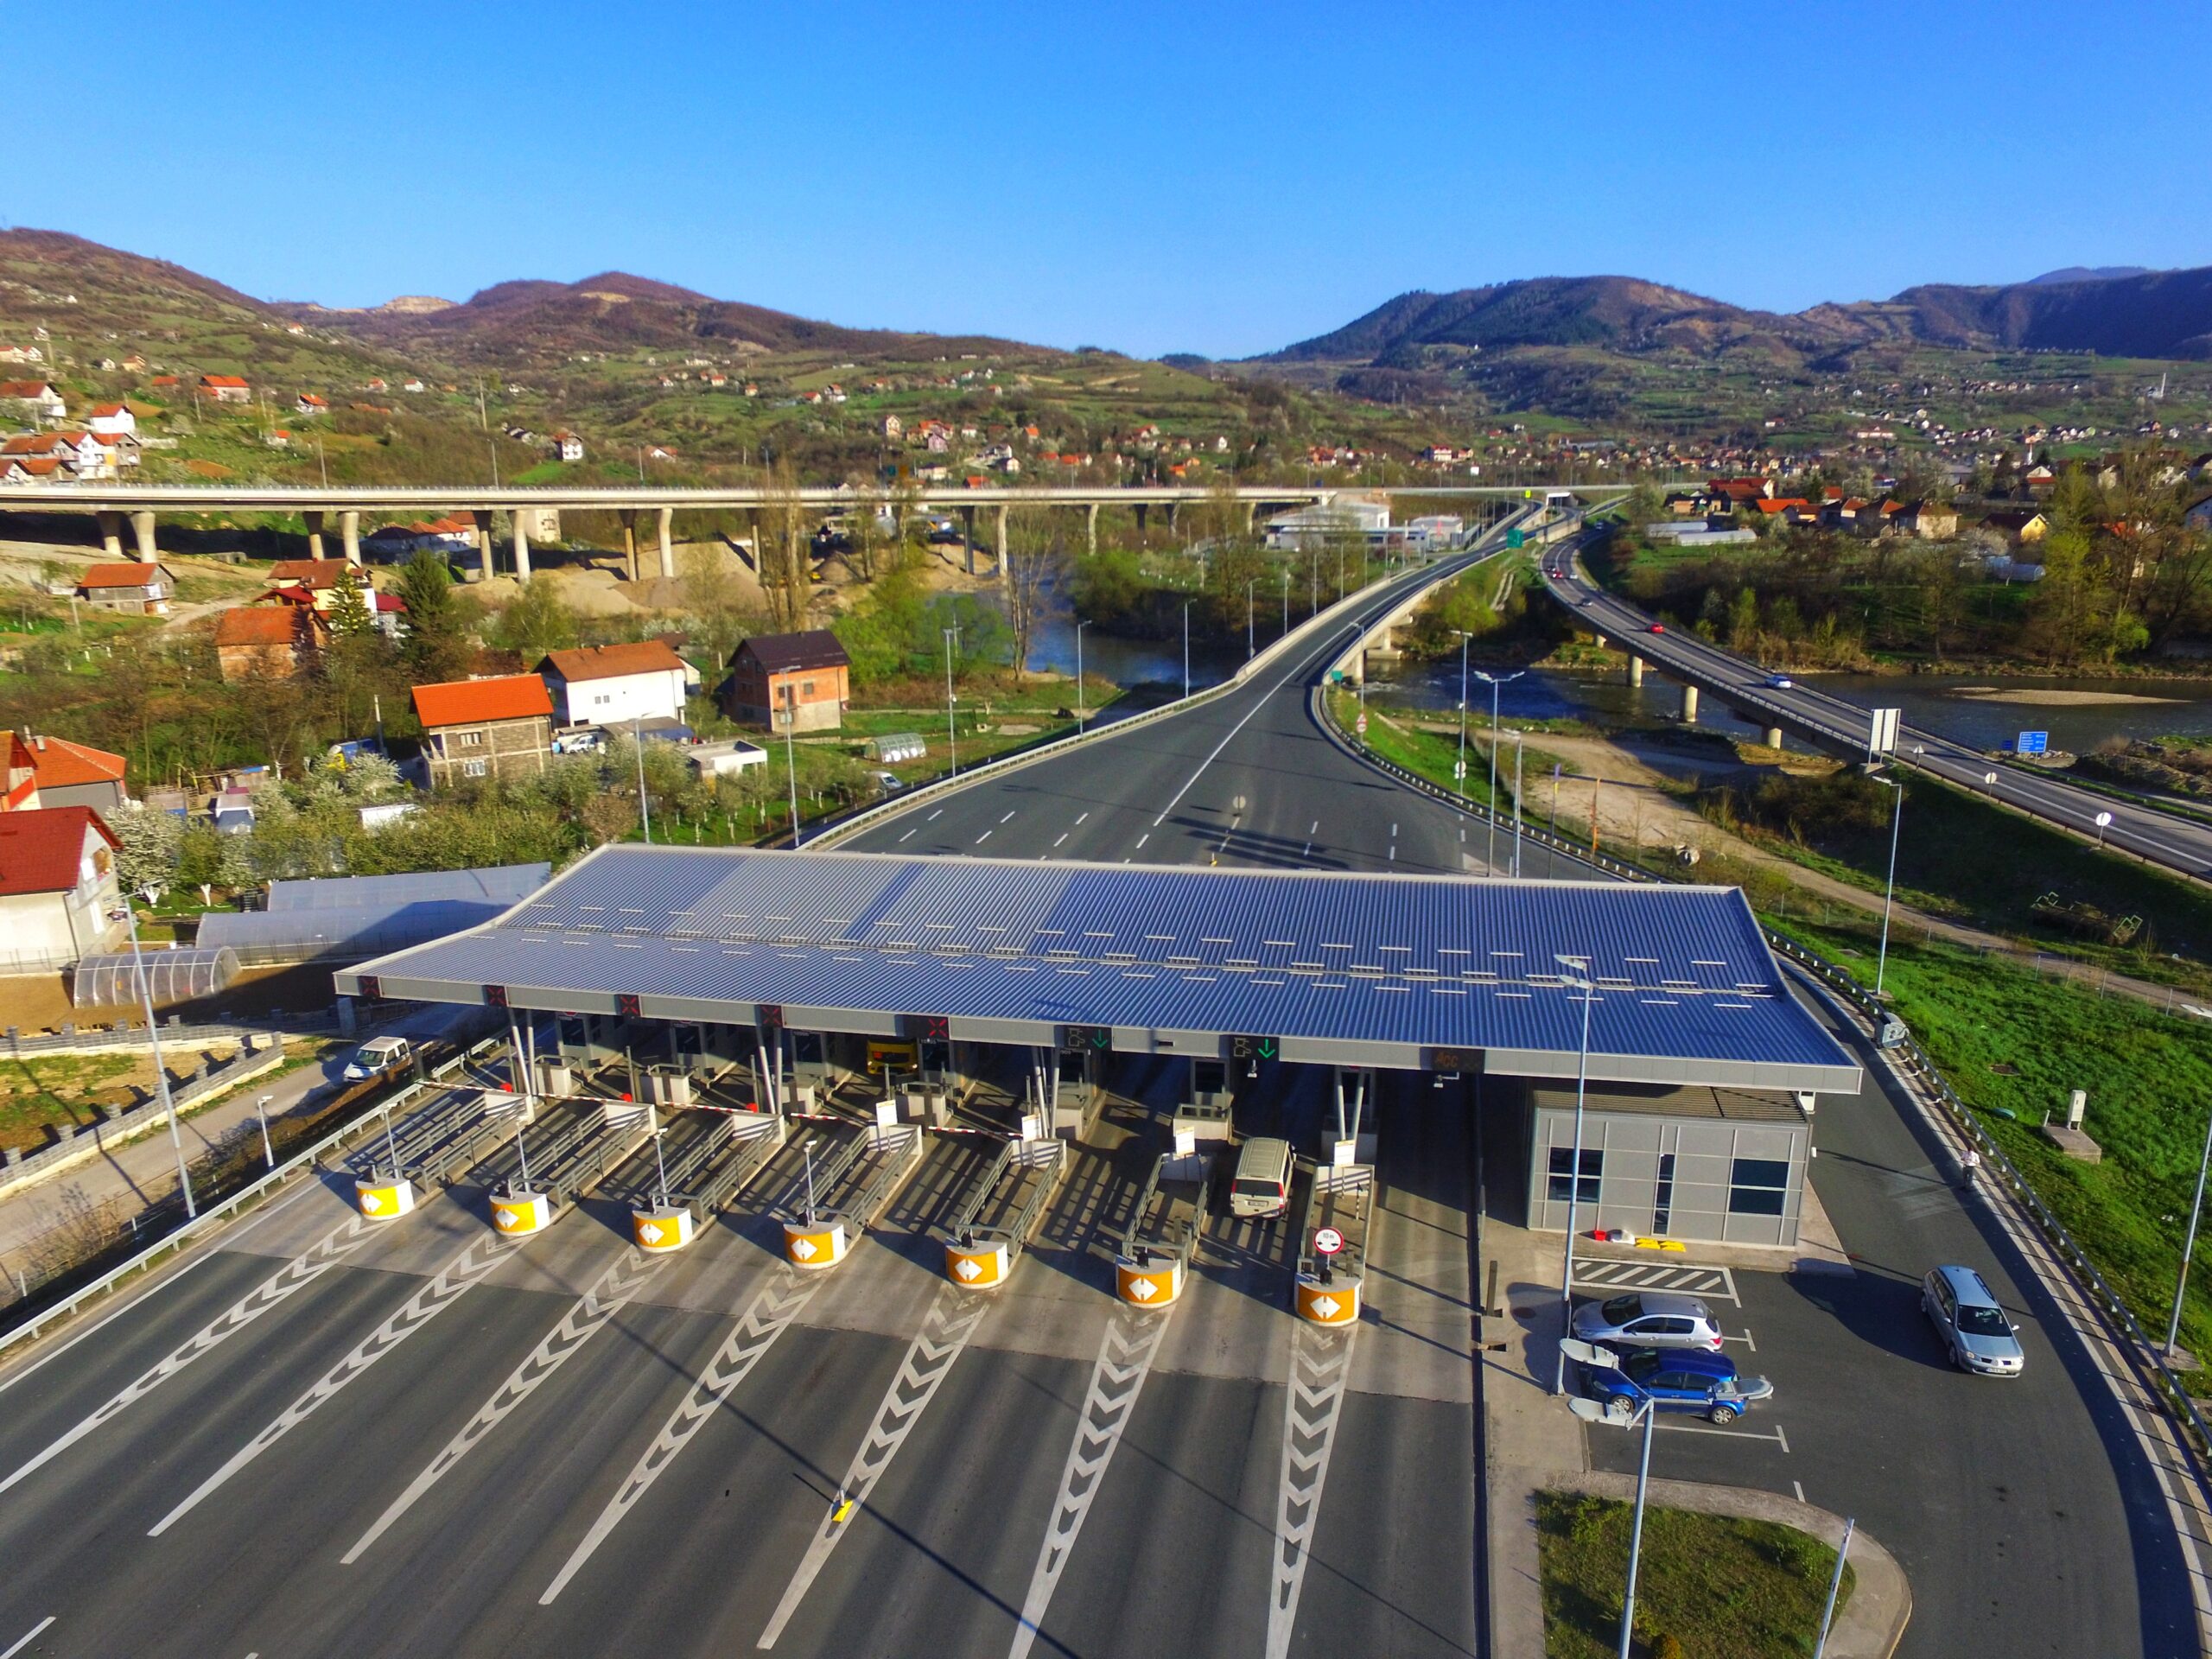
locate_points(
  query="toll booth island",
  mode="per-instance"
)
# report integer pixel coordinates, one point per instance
(661, 969)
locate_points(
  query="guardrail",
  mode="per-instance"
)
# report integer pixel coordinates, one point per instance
(2165, 1381)
(101, 1039)
(277, 1179)
(1319, 623)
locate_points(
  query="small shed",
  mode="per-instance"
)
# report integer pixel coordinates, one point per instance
(894, 747)
(724, 758)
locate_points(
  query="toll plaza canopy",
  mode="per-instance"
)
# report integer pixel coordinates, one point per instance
(1403, 971)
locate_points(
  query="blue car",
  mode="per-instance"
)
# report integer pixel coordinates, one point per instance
(1676, 1379)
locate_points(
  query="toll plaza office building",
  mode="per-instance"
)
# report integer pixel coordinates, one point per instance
(1698, 1054)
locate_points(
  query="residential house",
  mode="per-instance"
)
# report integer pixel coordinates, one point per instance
(35, 470)
(614, 685)
(14, 472)
(411, 385)
(279, 639)
(308, 404)
(76, 774)
(499, 728)
(317, 580)
(225, 389)
(139, 590)
(58, 886)
(163, 383)
(39, 398)
(800, 681)
(19, 776)
(117, 450)
(2023, 525)
(567, 446)
(1740, 491)
(659, 452)
(2040, 478)
(1930, 521)
(893, 427)
(2199, 516)
(21, 354)
(114, 417)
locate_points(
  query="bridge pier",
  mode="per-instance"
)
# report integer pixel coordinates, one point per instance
(667, 543)
(1601, 638)
(1144, 514)
(1772, 737)
(1636, 671)
(1091, 528)
(141, 525)
(629, 518)
(1251, 516)
(1171, 520)
(1689, 705)
(111, 525)
(349, 534)
(999, 550)
(968, 536)
(483, 518)
(519, 516)
(314, 516)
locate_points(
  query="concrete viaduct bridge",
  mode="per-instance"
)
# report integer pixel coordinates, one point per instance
(115, 501)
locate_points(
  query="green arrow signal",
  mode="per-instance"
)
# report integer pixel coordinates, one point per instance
(1267, 1049)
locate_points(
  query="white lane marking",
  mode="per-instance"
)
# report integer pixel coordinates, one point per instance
(768, 1318)
(298, 1274)
(985, 836)
(1313, 827)
(1227, 737)
(1725, 1433)
(1394, 832)
(1141, 839)
(163, 1283)
(910, 832)
(25, 1641)
(1064, 834)
(952, 1319)
(1320, 1365)
(464, 1273)
(1745, 1339)
(1394, 852)
(1010, 816)
(1798, 1487)
(1125, 1356)
(628, 1274)
(935, 815)
(1078, 823)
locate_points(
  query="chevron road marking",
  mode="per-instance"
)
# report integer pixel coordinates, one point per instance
(631, 1271)
(771, 1315)
(952, 1319)
(464, 1273)
(1125, 1356)
(297, 1274)
(1320, 1364)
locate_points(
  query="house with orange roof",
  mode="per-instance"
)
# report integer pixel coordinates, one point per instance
(113, 417)
(308, 404)
(613, 685)
(225, 389)
(499, 728)
(134, 589)
(58, 886)
(278, 640)
(74, 774)
(39, 398)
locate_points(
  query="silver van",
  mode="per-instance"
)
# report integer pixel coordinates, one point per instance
(1261, 1185)
(1971, 1322)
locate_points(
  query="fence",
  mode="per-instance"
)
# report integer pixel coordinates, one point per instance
(2179, 1404)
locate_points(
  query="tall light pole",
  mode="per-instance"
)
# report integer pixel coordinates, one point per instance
(1890, 889)
(1286, 599)
(1518, 745)
(1588, 987)
(1250, 648)
(1636, 1530)
(1187, 647)
(1493, 681)
(1460, 772)
(154, 1037)
(2189, 1240)
(645, 806)
(951, 736)
(1080, 713)
(790, 754)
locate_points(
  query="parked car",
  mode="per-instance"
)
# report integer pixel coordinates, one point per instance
(378, 1056)
(889, 782)
(1705, 1385)
(1971, 1322)
(1648, 1318)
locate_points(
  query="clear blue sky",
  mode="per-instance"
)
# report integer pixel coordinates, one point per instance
(1222, 179)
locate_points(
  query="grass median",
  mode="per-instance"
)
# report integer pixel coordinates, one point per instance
(1722, 1587)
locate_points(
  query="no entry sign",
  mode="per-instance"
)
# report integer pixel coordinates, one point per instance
(1327, 1241)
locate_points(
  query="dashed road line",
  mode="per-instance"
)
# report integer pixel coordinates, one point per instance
(1141, 839)
(1064, 834)
(952, 1319)
(910, 832)
(771, 1315)
(1080, 816)
(1125, 1356)
(463, 1273)
(300, 1271)
(981, 839)
(1009, 816)
(25, 1640)
(1320, 1365)
(629, 1273)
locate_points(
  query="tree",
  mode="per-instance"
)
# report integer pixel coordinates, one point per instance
(350, 617)
(785, 577)
(1034, 557)
(437, 644)
(1743, 620)
(151, 844)
(537, 620)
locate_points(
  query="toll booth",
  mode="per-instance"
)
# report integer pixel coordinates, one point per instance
(849, 1191)
(1154, 1258)
(1209, 1101)
(578, 1145)
(990, 1230)
(1353, 1138)
(582, 1041)
(695, 1165)
(1330, 1281)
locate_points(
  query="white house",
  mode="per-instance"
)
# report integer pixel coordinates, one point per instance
(613, 685)
(40, 400)
(57, 886)
(567, 446)
(115, 418)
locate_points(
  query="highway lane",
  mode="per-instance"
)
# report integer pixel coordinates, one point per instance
(2177, 843)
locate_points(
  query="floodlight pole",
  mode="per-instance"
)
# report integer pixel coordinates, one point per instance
(1574, 1171)
(1890, 889)
(1636, 1533)
(1187, 647)
(160, 1071)
(1081, 717)
(645, 806)
(2189, 1243)
(1835, 1583)
(791, 756)
(951, 737)
(1493, 682)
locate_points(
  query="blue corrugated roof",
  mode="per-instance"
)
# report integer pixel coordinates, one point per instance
(1385, 962)
(502, 883)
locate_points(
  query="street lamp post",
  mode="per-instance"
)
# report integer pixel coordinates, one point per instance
(1460, 772)
(1890, 889)
(645, 806)
(1251, 647)
(1493, 681)
(154, 1039)
(951, 737)
(1286, 599)
(791, 756)
(1587, 985)
(1081, 715)
(261, 1107)
(1518, 745)
(1187, 647)
(2189, 1240)
(1636, 1530)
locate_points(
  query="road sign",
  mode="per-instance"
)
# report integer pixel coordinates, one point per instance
(1452, 1059)
(1514, 539)
(2032, 743)
(1360, 725)
(1327, 1241)
(1254, 1048)
(1882, 738)
(928, 1028)
(1098, 1038)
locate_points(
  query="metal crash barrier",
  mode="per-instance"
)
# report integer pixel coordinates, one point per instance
(1332, 1265)
(1155, 1255)
(847, 1194)
(993, 1228)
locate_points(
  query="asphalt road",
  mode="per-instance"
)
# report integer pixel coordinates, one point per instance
(2167, 839)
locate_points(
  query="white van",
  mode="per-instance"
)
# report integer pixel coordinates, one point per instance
(1261, 1185)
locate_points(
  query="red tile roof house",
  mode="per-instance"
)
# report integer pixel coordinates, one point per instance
(279, 640)
(140, 589)
(114, 417)
(612, 685)
(226, 388)
(19, 779)
(57, 886)
(318, 579)
(798, 680)
(76, 774)
(484, 728)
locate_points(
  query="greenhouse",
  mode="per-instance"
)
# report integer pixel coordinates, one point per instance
(111, 981)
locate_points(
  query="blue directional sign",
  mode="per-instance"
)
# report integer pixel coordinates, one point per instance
(2032, 743)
